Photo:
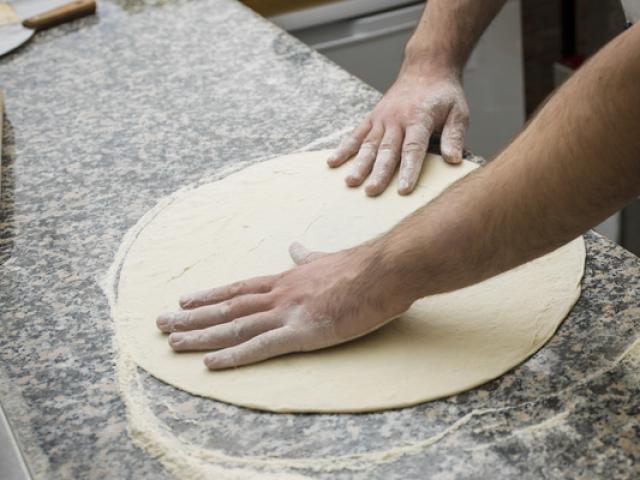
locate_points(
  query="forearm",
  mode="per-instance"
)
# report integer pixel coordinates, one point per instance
(577, 162)
(447, 33)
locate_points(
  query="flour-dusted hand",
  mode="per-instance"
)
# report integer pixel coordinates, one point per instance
(325, 300)
(426, 98)
(398, 130)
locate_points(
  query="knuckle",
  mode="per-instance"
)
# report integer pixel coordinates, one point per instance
(366, 124)
(180, 320)
(226, 309)
(236, 329)
(279, 296)
(461, 105)
(276, 281)
(425, 120)
(387, 147)
(269, 299)
(463, 122)
(453, 134)
(186, 301)
(266, 283)
(368, 145)
(208, 296)
(414, 147)
(237, 287)
(454, 138)
(189, 339)
(461, 114)
(429, 123)
(417, 131)
(197, 339)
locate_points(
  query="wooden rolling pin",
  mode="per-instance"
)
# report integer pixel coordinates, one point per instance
(62, 14)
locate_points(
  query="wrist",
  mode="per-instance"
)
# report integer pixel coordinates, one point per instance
(421, 60)
(383, 268)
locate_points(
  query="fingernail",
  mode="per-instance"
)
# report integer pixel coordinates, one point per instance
(185, 300)
(351, 181)
(161, 322)
(371, 189)
(176, 338)
(210, 362)
(296, 249)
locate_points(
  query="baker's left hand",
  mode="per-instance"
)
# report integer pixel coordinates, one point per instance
(324, 300)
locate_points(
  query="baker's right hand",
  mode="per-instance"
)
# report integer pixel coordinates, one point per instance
(398, 130)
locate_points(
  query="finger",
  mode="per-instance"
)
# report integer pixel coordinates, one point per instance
(386, 162)
(267, 345)
(365, 158)
(226, 335)
(220, 294)
(208, 315)
(414, 150)
(452, 141)
(349, 145)
(301, 255)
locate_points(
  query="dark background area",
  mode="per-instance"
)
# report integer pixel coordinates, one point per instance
(595, 22)
(553, 30)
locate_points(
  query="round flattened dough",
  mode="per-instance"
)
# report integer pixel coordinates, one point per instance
(241, 227)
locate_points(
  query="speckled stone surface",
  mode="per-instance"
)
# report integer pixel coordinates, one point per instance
(108, 114)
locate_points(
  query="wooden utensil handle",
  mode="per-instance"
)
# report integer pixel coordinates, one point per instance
(64, 13)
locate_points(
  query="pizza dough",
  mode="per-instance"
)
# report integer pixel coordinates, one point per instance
(241, 227)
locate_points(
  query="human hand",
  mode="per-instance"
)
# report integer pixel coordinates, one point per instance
(398, 131)
(325, 300)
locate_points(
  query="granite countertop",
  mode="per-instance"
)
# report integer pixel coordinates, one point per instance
(108, 114)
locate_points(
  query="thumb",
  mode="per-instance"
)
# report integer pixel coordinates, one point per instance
(301, 255)
(452, 140)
